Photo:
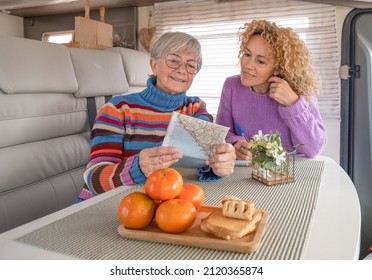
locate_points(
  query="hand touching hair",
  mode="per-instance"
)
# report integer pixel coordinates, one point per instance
(291, 56)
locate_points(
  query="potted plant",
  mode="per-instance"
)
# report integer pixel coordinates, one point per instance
(271, 163)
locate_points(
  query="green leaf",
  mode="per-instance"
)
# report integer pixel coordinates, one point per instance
(269, 165)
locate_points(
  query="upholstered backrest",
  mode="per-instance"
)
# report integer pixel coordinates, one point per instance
(44, 143)
(136, 66)
(29, 66)
(98, 73)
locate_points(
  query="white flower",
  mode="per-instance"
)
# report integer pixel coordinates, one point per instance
(259, 136)
(279, 158)
(267, 150)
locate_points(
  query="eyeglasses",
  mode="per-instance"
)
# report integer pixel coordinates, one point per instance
(174, 61)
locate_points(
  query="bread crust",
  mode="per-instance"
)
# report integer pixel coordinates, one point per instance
(238, 209)
(229, 228)
(229, 197)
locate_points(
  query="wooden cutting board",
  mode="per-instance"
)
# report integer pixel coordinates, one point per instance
(195, 237)
(90, 32)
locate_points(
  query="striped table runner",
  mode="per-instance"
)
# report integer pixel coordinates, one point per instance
(92, 232)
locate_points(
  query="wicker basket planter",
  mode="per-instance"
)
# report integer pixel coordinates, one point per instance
(282, 174)
(271, 163)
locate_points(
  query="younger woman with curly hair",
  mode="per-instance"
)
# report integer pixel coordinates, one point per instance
(275, 91)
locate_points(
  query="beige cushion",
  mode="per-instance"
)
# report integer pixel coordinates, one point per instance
(34, 117)
(98, 73)
(33, 66)
(136, 65)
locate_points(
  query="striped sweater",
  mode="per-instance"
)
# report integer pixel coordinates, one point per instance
(124, 126)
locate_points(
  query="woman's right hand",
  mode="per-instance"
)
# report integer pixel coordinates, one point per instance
(151, 159)
(242, 150)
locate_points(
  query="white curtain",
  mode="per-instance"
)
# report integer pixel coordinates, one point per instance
(216, 24)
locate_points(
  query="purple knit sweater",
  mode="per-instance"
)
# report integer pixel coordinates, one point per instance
(300, 123)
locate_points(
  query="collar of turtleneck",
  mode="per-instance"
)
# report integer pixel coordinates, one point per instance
(160, 99)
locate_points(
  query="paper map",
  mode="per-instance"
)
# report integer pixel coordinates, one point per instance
(194, 137)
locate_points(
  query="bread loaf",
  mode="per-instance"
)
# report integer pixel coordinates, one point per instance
(229, 228)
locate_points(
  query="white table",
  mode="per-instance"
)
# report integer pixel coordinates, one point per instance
(334, 234)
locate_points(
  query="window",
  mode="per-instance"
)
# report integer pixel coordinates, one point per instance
(58, 37)
(216, 24)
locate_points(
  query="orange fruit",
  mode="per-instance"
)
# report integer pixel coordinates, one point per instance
(193, 193)
(136, 210)
(157, 201)
(164, 184)
(175, 215)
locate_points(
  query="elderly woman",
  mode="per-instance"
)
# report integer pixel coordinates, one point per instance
(128, 132)
(275, 91)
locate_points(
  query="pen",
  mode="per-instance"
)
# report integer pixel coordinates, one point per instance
(241, 131)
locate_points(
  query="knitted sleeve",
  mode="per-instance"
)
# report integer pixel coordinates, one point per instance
(224, 113)
(106, 169)
(196, 108)
(306, 126)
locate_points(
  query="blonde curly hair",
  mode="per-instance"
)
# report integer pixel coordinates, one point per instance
(291, 56)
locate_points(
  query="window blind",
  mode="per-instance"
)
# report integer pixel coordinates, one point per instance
(216, 24)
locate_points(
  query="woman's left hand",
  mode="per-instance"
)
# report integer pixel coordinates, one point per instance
(223, 159)
(281, 91)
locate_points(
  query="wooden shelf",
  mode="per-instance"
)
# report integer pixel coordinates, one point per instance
(85, 45)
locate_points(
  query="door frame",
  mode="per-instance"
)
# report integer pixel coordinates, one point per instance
(347, 90)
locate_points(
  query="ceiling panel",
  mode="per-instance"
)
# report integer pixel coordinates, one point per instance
(28, 8)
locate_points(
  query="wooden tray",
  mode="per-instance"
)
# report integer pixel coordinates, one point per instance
(195, 237)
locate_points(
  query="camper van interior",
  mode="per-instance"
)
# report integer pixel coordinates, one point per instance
(51, 70)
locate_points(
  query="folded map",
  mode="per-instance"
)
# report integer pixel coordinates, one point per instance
(195, 138)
